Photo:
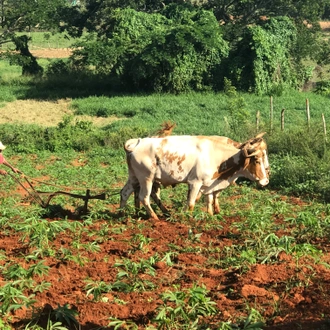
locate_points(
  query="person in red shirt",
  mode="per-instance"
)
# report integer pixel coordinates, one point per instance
(5, 162)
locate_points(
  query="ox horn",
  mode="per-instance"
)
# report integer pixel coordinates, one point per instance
(252, 140)
(260, 135)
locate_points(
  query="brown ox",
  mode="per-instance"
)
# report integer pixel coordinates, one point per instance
(207, 164)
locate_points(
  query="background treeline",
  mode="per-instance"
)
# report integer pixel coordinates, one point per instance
(175, 46)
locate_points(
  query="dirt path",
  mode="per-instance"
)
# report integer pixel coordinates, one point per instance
(44, 113)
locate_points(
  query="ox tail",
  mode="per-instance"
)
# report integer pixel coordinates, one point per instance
(131, 144)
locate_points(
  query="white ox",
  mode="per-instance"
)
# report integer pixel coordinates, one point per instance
(207, 164)
(155, 192)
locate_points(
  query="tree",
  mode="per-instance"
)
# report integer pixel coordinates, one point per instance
(175, 50)
(185, 56)
(249, 11)
(262, 59)
(19, 16)
(93, 15)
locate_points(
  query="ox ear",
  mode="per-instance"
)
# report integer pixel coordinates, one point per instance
(251, 147)
(253, 141)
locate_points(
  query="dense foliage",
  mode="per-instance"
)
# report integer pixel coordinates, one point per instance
(24, 16)
(178, 46)
(175, 51)
(261, 60)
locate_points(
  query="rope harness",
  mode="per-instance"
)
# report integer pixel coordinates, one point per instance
(35, 194)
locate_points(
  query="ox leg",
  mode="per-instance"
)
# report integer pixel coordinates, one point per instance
(137, 199)
(144, 195)
(192, 195)
(209, 203)
(199, 195)
(216, 205)
(155, 194)
(125, 193)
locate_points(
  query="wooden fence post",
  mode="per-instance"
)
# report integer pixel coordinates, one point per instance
(258, 120)
(324, 128)
(308, 114)
(282, 119)
(271, 113)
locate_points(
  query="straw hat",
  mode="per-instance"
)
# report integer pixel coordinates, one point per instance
(2, 147)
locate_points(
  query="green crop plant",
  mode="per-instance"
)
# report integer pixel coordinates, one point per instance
(184, 309)
(92, 247)
(40, 253)
(141, 241)
(118, 229)
(309, 225)
(38, 269)
(128, 278)
(49, 326)
(12, 298)
(3, 255)
(306, 250)
(40, 231)
(60, 318)
(4, 325)
(65, 315)
(101, 234)
(253, 321)
(63, 254)
(16, 272)
(257, 219)
(96, 289)
(194, 238)
(40, 287)
(79, 259)
(117, 324)
(234, 256)
(168, 257)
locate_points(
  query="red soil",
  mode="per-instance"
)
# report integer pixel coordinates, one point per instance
(289, 295)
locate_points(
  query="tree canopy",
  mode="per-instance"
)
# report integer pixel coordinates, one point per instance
(177, 45)
(175, 50)
(23, 16)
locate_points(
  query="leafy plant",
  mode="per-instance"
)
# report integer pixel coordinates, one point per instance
(38, 269)
(184, 308)
(253, 321)
(96, 288)
(4, 326)
(142, 241)
(12, 298)
(49, 326)
(120, 324)
(65, 315)
(128, 278)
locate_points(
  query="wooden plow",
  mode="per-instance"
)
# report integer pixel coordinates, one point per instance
(36, 194)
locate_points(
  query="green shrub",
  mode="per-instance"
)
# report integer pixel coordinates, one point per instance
(174, 51)
(260, 61)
